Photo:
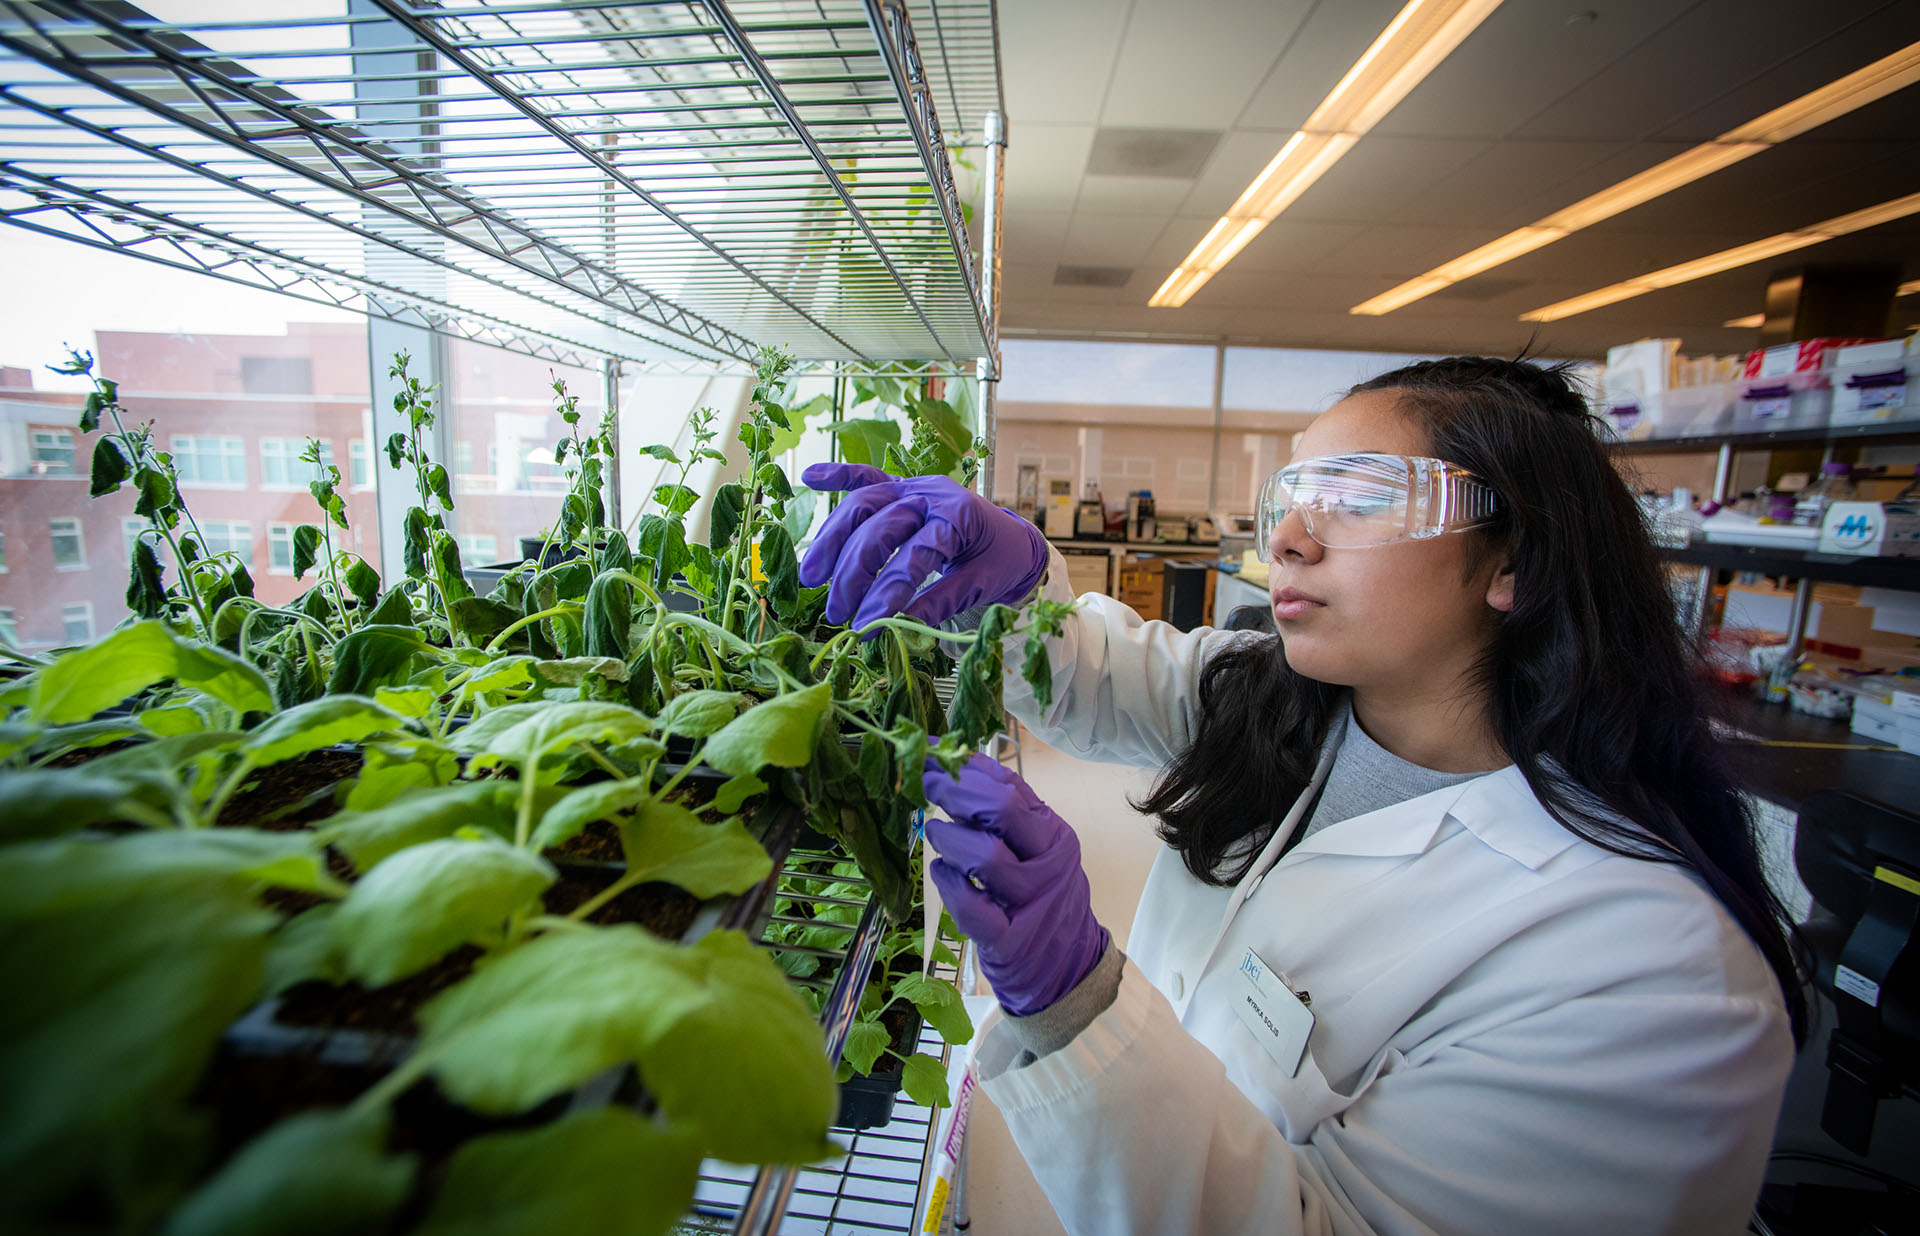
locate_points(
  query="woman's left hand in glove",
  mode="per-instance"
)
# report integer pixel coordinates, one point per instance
(1009, 872)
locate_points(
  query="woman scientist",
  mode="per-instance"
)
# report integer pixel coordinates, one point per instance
(1458, 926)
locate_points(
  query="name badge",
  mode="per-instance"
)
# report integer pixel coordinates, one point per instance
(1273, 1012)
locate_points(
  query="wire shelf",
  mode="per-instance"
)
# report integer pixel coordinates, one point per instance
(875, 1187)
(649, 180)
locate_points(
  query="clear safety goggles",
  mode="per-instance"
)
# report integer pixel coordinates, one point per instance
(1357, 501)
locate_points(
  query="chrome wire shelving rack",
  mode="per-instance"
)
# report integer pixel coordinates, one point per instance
(876, 1186)
(672, 182)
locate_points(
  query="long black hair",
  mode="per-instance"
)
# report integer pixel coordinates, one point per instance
(1591, 682)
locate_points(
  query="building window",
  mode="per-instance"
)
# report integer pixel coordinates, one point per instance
(69, 544)
(76, 622)
(276, 375)
(8, 631)
(359, 464)
(202, 459)
(463, 459)
(279, 549)
(52, 451)
(130, 530)
(280, 466)
(480, 548)
(3, 553)
(229, 536)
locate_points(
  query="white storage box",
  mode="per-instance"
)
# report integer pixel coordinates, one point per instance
(1871, 529)
(1875, 382)
(1731, 528)
(1881, 723)
(1799, 400)
(1676, 413)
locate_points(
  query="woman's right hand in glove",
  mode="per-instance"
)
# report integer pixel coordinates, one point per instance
(889, 534)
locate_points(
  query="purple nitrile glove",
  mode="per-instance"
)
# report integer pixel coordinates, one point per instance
(1009, 873)
(888, 534)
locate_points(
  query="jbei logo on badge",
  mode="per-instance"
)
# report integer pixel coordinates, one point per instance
(1273, 1012)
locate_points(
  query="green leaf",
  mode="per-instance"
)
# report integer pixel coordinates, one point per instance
(782, 570)
(676, 499)
(110, 467)
(146, 583)
(425, 901)
(865, 1041)
(47, 802)
(729, 507)
(504, 674)
(735, 791)
(483, 618)
(664, 453)
(416, 542)
(944, 423)
(417, 816)
(978, 710)
(306, 549)
(302, 951)
(322, 723)
(414, 702)
(609, 615)
(696, 714)
(665, 841)
(865, 441)
(134, 658)
(394, 610)
(117, 994)
(156, 495)
(925, 1081)
(939, 1003)
(602, 1170)
(172, 720)
(439, 483)
(779, 732)
(521, 734)
(375, 656)
(663, 542)
(1037, 669)
(363, 582)
(390, 770)
(786, 439)
(548, 1015)
(314, 1174)
(447, 571)
(798, 519)
(581, 807)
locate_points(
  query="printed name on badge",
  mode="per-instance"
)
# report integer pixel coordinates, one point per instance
(1273, 1012)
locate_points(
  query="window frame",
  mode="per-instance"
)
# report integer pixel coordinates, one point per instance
(283, 531)
(179, 452)
(34, 460)
(79, 539)
(86, 608)
(227, 526)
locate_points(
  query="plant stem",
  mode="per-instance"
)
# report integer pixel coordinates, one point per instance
(564, 607)
(621, 885)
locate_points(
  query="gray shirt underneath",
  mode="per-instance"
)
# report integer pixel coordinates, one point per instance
(1365, 777)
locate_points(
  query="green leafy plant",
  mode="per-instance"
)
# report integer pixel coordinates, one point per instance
(377, 790)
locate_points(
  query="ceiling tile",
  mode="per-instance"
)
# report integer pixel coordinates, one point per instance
(1328, 42)
(1507, 185)
(1830, 42)
(1133, 194)
(1056, 58)
(1522, 59)
(1715, 47)
(1033, 237)
(1110, 240)
(1187, 65)
(1285, 245)
(1043, 166)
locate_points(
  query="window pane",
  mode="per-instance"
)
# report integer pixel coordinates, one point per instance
(1155, 375)
(502, 404)
(359, 465)
(76, 622)
(52, 452)
(7, 629)
(187, 353)
(69, 548)
(280, 547)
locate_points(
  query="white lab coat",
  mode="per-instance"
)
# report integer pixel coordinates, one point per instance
(1517, 1032)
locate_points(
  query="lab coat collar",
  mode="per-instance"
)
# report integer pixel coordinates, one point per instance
(1498, 808)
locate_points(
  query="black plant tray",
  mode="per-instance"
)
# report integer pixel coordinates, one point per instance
(259, 1033)
(868, 1102)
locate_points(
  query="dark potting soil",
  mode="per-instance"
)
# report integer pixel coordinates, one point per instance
(292, 794)
(381, 1010)
(666, 910)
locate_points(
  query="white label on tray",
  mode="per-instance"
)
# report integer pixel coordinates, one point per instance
(1876, 397)
(1857, 985)
(1768, 409)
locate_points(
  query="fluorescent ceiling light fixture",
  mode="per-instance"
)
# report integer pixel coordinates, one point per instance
(1730, 259)
(1412, 46)
(1908, 288)
(1753, 321)
(1856, 89)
